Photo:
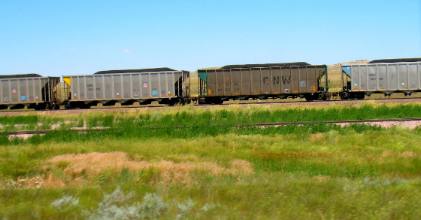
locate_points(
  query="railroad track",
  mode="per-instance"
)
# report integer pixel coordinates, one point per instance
(251, 103)
(415, 122)
(35, 132)
(106, 108)
(338, 122)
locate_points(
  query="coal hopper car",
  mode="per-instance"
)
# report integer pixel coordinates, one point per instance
(165, 85)
(261, 81)
(382, 76)
(27, 90)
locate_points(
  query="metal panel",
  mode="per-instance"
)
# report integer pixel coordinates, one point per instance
(295, 81)
(266, 81)
(108, 86)
(22, 90)
(227, 82)
(372, 78)
(163, 85)
(413, 77)
(117, 85)
(5, 91)
(127, 88)
(74, 88)
(154, 85)
(314, 79)
(392, 77)
(355, 78)
(382, 77)
(145, 85)
(136, 86)
(99, 87)
(276, 81)
(363, 78)
(286, 81)
(245, 82)
(419, 75)
(302, 80)
(219, 90)
(38, 90)
(236, 82)
(90, 88)
(14, 91)
(403, 76)
(256, 82)
(31, 90)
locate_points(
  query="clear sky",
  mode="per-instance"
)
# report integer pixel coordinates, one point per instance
(56, 37)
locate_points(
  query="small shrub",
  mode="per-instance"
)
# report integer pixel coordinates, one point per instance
(152, 207)
(65, 202)
(184, 208)
(207, 207)
(114, 207)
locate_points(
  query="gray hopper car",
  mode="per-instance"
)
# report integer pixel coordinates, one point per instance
(167, 86)
(384, 78)
(26, 90)
(262, 81)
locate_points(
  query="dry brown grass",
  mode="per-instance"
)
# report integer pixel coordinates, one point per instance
(79, 167)
(401, 155)
(288, 155)
(316, 138)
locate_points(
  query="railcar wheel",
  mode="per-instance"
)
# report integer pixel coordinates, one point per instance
(311, 97)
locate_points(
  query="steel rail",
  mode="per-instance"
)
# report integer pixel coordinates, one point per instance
(317, 102)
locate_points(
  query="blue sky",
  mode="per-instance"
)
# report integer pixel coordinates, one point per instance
(83, 36)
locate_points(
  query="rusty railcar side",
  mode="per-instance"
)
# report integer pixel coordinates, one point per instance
(263, 82)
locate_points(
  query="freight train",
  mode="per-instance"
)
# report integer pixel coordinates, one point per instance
(215, 85)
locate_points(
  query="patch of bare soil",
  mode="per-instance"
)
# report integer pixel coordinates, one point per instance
(388, 124)
(49, 181)
(22, 136)
(79, 168)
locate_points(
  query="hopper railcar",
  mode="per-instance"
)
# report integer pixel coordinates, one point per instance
(167, 86)
(261, 81)
(382, 76)
(28, 91)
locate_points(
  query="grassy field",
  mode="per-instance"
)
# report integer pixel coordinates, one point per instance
(198, 164)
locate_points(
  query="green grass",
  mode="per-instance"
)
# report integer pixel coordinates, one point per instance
(300, 172)
(236, 116)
